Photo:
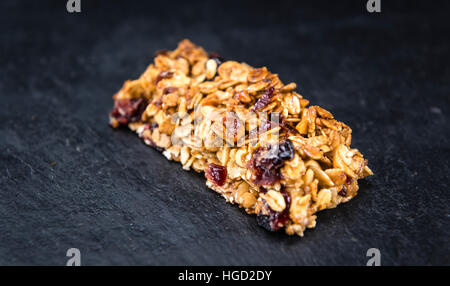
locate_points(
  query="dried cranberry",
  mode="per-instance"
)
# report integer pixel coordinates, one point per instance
(128, 110)
(215, 56)
(275, 220)
(267, 162)
(343, 192)
(163, 75)
(266, 165)
(266, 177)
(217, 174)
(264, 100)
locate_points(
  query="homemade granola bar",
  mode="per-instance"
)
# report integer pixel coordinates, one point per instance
(259, 143)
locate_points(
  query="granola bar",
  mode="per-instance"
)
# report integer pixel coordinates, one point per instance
(259, 142)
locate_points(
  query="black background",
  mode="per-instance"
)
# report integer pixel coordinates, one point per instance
(384, 74)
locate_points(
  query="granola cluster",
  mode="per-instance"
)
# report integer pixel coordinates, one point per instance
(259, 143)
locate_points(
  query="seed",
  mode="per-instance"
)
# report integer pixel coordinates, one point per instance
(211, 68)
(242, 189)
(323, 198)
(240, 157)
(321, 175)
(182, 107)
(312, 152)
(163, 75)
(322, 112)
(223, 154)
(337, 175)
(242, 96)
(248, 200)
(299, 208)
(151, 110)
(309, 176)
(275, 200)
(289, 87)
(184, 155)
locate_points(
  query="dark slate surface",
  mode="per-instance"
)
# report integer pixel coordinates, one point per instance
(120, 202)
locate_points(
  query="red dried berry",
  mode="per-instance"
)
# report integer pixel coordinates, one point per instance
(267, 162)
(266, 177)
(217, 174)
(128, 110)
(343, 192)
(266, 166)
(349, 180)
(264, 100)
